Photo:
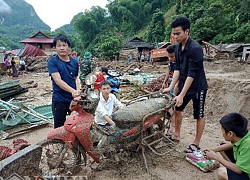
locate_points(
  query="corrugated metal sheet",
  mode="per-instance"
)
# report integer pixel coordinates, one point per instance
(235, 47)
(11, 88)
(37, 40)
(30, 50)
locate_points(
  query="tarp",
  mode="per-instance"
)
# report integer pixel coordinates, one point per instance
(17, 113)
(30, 50)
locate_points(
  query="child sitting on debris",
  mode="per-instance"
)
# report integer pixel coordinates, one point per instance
(235, 155)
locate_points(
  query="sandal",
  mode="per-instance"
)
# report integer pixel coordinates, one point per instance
(191, 148)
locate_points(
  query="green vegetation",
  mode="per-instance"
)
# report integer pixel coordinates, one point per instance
(102, 31)
(19, 23)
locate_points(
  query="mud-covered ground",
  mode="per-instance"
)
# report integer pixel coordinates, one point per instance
(229, 91)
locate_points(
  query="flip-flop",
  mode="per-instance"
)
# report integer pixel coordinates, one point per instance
(190, 149)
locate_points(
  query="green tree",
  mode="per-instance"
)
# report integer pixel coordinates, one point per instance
(110, 47)
(90, 24)
(156, 29)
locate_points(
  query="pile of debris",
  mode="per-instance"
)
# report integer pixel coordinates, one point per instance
(16, 117)
(156, 84)
(10, 88)
(37, 64)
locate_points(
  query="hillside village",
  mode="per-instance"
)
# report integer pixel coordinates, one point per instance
(226, 65)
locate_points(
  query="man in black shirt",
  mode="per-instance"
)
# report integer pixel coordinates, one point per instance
(189, 71)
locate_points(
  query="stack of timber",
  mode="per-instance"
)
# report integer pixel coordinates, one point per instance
(11, 88)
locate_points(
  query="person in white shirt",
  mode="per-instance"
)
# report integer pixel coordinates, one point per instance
(106, 105)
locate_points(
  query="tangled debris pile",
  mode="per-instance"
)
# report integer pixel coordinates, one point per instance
(129, 67)
(36, 64)
(13, 114)
(156, 84)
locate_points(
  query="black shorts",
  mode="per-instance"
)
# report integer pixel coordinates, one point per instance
(198, 103)
(60, 111)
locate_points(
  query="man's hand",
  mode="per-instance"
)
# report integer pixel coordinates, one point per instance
(163, 85)
(75, 93)
(166, 90)
(179, 100)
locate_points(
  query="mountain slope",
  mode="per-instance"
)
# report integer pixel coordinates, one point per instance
(18, 20)
(21, 13)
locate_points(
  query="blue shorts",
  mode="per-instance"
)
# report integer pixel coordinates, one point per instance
(198, 103)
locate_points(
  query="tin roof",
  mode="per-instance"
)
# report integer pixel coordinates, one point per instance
(235, 47)
(37, 40)
(39, 37)
(137, 42)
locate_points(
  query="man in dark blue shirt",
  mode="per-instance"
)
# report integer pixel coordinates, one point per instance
(63, 71)
(189, 70)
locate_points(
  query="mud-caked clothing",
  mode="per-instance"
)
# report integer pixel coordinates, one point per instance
(189, 62)
(86, 67)
(60, 98)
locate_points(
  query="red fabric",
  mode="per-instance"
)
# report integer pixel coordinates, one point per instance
(18, 145)
(99, 80)
(30, 50)
(5, 152)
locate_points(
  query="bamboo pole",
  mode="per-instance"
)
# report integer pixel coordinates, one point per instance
(28, 112)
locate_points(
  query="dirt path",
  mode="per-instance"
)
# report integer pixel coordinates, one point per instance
(229, 91)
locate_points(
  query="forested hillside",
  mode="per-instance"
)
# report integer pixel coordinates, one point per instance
(216, 21)
(18, 20)
(104, 30)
